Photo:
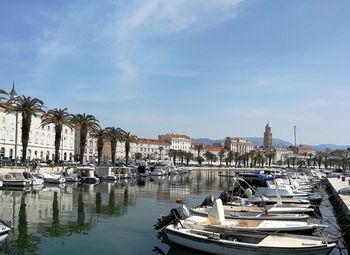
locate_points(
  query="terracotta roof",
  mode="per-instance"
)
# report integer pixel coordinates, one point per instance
(305, 147)
(151, 141)
(195, 144)
(213, 148)
(177, 136)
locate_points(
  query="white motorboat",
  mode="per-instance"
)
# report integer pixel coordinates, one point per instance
(215, 221)
(72, 178)
(158, 172)
(15, 179)
(51, 178)
(246, 242)
(71, 175)
(123, 172)
(34, 180)
(105, 173)
(4, 230)
(233, 210)
(268, 187)
(87, 175)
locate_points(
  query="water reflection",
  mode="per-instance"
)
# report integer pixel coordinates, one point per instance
(122, 210)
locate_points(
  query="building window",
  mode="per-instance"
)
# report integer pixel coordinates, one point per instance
(11, 153)
(2, 152)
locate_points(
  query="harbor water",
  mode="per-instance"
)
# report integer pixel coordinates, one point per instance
(114, 218)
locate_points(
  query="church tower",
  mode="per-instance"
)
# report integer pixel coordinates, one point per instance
(13, 93)
(268, 136)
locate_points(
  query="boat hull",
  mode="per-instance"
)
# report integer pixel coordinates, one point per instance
(254, 215)
(17, 183)
(209, 245)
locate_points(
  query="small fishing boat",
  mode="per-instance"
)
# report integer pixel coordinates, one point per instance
(268, 187)
(87, 175)
(71, 175)
(123, 172)
(15, 179)
(222, 240)
(229, 209)
(34, 180)
(51, 178)
(105, 173)
(215, 221)
(247, 242)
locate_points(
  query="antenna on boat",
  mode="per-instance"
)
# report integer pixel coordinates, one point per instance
(261, 196)
(295, 139)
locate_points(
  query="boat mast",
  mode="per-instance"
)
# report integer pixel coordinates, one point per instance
(295, 139)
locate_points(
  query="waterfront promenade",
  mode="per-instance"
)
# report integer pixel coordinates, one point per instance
(336, 184)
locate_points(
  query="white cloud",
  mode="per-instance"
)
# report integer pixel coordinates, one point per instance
(157, 18)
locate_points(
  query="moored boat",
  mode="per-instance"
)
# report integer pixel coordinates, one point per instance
(246, 243)
(4, 230)
(215, 221)
(15, 179)
(33, 180)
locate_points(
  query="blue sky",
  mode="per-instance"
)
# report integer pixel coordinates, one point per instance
(207, 68)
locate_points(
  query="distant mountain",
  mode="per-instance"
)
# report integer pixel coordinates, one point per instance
(257, 141)
(323, 147)
(207, 141)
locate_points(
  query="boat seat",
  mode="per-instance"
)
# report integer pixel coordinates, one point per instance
(282, 241)
(216, 215)
(234, 224)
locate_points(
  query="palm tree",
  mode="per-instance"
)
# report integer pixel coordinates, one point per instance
(199, 148)
(210, 157)
(100, 135)
(181, 155)
(189, 157)
(173, 154)
(28, 107)
(114, 135)
(236, 155)
(57, 117)
(270, 155)
(200, 160)
(319, 157)
(86, 123)
(127, 138)
(230, 157)
(221, 155)
(3, 104)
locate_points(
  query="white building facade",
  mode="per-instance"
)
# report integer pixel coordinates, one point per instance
(41, 145)
(239, 145)
(152, 148)
(177, 142)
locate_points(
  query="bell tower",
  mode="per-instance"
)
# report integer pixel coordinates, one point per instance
(268, 136)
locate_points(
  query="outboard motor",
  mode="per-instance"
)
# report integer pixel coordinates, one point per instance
(208, 201)
(225, 197)
(176, 214)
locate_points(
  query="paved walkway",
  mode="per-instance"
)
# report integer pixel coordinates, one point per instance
(337, 184)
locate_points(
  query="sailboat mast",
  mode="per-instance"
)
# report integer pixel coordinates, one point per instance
(295, 139)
